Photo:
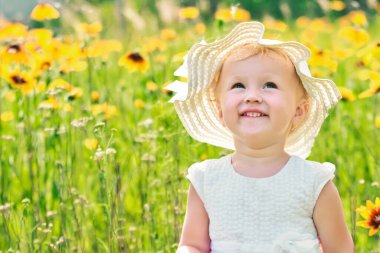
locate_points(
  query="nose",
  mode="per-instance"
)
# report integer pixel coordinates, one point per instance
(253, 97)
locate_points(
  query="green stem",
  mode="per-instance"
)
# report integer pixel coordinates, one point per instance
(5, 224)
(2, 169)
(104, 201)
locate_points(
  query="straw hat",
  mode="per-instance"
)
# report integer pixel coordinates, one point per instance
(195, 104)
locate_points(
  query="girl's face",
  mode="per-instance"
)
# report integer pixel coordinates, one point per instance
(260, 98)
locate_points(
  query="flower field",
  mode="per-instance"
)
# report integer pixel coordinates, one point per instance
(93, 158)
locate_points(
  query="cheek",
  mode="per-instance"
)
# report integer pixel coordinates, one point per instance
(285, 107)
(229, 103)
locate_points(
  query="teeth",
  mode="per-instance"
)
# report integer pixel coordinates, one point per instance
(253, 114)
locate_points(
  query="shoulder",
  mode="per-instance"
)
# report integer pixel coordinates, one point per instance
(317, 175)
(315, 169)
(208, 166)
(203, 173)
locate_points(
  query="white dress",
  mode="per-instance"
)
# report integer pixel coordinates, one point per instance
(261, 215)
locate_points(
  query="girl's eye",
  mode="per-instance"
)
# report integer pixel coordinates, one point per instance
(270, 85)
(237, 86)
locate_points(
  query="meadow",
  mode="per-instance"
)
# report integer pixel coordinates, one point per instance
(93, 158)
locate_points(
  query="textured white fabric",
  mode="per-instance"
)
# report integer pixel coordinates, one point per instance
(271, 215)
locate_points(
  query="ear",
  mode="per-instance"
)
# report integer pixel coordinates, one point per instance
(301, 112)
(220, 112)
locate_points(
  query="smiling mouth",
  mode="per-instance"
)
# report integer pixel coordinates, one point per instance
(253, 114)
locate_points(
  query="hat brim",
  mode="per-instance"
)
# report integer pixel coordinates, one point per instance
(198, 111)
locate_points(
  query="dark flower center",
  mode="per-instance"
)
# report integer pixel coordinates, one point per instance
(375, 219)
(18, 80)
(14, 49)
(136, 57)
(360, 64)
(45, 65)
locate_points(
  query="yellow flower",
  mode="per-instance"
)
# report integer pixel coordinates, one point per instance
(320, 24)
(44, 11)
(95, 96)
(14, 53)
(60, 84)
(41, 86)
(371, 215)
(164, 90)
(190, 12)
(13, 31)
(40, 64)
(10, 96)
(233, 13)
(183, 79)
(160, 59)
(200, 28)
(342, 53)
(347, 94)
(90, 143)
(67, 107)
(72, 65)
(21, 80)
(139, 104)
(322, 58)
(223, 14)
(51, 103)
(92, 29)
(151, 86)
(41, 36)
(74, 93)
(376, 50)
(7, 116)
(240, 14)
(68, 49)
(154, 44)
(377, 121)
(356, 36)
(368, 75)
(178, 57)
(303, 21)
(168, 34)
(272, 24)
(308, 36)
(374, 89)
(103, 48)
(358, 18)
(337, 5)
(105, 109)
(134, 62)
(374, 78)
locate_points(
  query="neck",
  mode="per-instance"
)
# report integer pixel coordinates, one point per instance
(259, 162)
(260, 151)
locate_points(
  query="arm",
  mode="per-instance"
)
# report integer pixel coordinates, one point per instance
(329, 220)
(195, 237)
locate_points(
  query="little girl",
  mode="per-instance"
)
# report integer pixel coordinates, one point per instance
(258, 98)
